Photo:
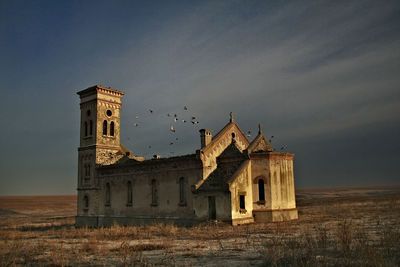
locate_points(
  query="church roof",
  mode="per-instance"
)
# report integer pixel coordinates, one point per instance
(231, 152)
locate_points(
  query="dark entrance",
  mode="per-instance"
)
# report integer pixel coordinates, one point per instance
(212, 212)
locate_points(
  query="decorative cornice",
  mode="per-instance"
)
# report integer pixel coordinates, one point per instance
(98, 146)
(100, 88)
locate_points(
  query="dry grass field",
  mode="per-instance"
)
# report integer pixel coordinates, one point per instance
(336, 226)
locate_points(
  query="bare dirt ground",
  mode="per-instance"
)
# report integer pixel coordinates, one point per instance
(353, 226)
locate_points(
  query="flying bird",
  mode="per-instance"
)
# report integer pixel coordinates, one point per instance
(172, 129)
(137, 117)
(175, 119)
(171, 143)
(193, 118)
(151, 111)
(136, 125)
(169, 115)
(183, 121)
(175, 115)
(185, 108)
(176, 138)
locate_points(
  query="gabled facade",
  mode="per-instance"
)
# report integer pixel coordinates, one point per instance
(227, 179)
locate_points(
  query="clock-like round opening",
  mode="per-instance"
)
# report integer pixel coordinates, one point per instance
(109, 113)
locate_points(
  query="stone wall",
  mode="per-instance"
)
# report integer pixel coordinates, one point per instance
(165, 172)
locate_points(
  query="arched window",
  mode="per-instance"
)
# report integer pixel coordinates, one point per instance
(85, 128)
(182, 195)
(86, 202)
(112, 128)
(108, 195)
(91, 127)
(129, 203)
(104, 127)
(261, 192)
(154, 192)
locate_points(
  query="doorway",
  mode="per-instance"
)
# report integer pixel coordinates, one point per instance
(212, 211)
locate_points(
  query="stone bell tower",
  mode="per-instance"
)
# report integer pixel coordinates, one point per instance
(99, 138)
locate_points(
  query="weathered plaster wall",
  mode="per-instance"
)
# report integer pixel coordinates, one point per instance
(167, 178)
(276, 169)
(282, 180)
(222, 204)
(260, 170)
(241, 185)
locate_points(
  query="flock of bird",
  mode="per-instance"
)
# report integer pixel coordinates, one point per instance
(172, 125)
(175, 119)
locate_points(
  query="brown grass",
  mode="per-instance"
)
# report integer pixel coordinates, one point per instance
(359, 227)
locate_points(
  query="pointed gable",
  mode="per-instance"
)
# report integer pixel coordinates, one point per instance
(226, 134)
(219, 143)
(259, 144)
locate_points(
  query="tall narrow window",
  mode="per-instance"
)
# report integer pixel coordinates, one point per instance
(242, 202)
(90, 127)
(88, 170)
(86, 202)
(85, 168)
(112, 128)
(261, 192)
(104, 127)
(129, 203)
(85, 128)
(108, 195)
(154, 193)
(182, 195)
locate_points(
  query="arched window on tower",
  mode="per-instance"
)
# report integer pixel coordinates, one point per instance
(86, 202)
(130, 198)
(88, 170)
(154, 197)
(104, 127)
(261, 190)
(90, 127)
(112, 128)
(108, 195)
(85, 128)
(182, 195)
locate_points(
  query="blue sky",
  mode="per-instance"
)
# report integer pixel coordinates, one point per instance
(323, 77)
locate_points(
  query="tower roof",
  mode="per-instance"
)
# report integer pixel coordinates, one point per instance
(97, 88)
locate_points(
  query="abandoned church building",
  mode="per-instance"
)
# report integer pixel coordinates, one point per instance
(227, 179)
